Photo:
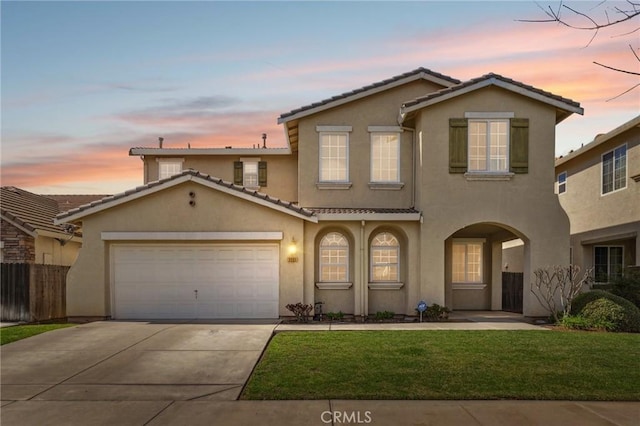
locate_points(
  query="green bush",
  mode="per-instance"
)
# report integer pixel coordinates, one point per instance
(384, 315)
(628, 287)
(576, 322)
(631, 317)
(436, 312)
(335, 316)
(605, 314)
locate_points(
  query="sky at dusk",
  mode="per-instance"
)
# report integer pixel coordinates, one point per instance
(82, 82)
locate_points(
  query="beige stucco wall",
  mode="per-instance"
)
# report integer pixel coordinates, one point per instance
(525, 205)
(596, 219)
(50, 251)
(89, 281)
(282, 170)
(359, 299)
(376, 110)
(583, 201)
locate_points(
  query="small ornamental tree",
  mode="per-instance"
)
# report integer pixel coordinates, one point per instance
(559, 283)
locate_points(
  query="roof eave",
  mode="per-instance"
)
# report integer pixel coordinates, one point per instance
(365, 93)
(208, 151)
(558, 104)
(401, 217)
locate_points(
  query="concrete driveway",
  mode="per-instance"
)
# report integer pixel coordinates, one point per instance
(141, 365)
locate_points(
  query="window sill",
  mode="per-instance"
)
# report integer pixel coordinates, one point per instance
(386, 186)
(386, 286)
(488, 176)
(334, 286)
(334, 185)
(468, 286)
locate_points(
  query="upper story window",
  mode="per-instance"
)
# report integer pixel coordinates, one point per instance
(333, 154)
(250, 172)
(614, 170)
(169, 167)
(334, 258)
(467, 261)
(488, 145)
(562, 183)
(385, 157)
(385, 258)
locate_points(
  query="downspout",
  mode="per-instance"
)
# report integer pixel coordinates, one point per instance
(363, 276)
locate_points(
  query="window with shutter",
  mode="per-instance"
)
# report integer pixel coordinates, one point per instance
(237, 173)
(519, 155)
(458, 145)
(262, 173)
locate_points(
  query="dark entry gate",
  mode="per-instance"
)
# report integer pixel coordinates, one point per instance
(512, 288)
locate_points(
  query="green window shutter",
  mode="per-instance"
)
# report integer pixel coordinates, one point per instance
(237, 172)
(458, 134)
(519, 146)
(262, 173)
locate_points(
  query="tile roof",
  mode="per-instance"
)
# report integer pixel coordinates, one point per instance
(31, 211)
(72, 201)
(115, 199)
(346, 210)
(491, 78)
(415, 73)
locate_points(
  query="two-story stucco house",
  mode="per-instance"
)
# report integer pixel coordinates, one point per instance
(396, 192)
(599, 187)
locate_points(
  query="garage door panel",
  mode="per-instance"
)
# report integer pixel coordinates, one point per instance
(158, 281)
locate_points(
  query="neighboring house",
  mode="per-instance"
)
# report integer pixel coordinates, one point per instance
(400, 191)
(599, 187)
(28, 234)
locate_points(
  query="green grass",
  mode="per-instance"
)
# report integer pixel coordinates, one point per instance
(19, 332)
(449, 365)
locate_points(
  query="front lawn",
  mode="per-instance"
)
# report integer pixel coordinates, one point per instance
(449, 365)
(19, 332)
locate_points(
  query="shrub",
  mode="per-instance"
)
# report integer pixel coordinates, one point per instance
(604, 313)
(576, 322)
(628, 287)
(631, 318)
(436, 312)
(300, 310)
(384, 315)
(335, 316)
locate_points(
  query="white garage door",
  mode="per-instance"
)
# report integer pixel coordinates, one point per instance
(195, 281)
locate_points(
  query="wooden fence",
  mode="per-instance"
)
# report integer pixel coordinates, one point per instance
(33, 293)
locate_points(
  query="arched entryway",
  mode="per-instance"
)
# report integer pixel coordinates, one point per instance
(474, 265)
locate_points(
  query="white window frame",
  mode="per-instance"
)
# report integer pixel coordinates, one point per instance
(322, 265)
(562, 186)
(254, 162)
(382, 131)
(608, 247)
(479, 118)
(372, 264)
(466, 283)
(333, 131)
(167, 161)
(613, 171)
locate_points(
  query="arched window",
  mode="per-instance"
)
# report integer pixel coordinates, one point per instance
(334, 258)
(385, 258)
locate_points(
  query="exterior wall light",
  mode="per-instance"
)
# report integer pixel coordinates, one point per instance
(293, 251)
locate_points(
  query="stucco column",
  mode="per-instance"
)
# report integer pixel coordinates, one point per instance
(432, 273)
(496, 275)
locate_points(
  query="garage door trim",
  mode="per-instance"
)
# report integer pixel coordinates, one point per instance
(192, 236)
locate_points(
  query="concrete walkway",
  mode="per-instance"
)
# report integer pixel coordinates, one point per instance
(140, 373)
